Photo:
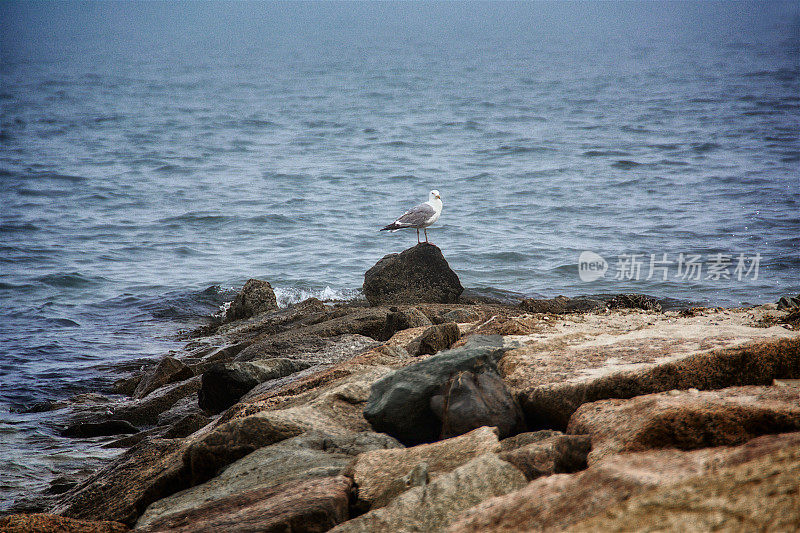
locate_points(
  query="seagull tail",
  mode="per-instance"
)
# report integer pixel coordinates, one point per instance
(394, 226)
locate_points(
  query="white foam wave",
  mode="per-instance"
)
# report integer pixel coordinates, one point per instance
(292, 295)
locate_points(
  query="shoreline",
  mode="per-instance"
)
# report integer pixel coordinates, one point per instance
(289, 358)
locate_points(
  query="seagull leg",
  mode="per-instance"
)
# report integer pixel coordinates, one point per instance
(426, 234)
(417, 235)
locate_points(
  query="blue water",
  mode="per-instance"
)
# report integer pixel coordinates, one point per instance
(155, 156)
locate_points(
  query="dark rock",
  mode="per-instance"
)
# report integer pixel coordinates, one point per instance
(255, 297)
(168, 370)
(314, 505)
(634, 301)
(789, 302)
(471, 400)
(399, 403)
(419, 274)
(187, 425)
(99, 429)
(557, 454)
(561, 305)
(47, 523)
(145, 411)
(400, 319)
(61, 484)
(435, 339)
(224, 384)
(458, 316)
(127, 385)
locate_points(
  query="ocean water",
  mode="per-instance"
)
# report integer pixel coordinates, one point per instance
(153, 157)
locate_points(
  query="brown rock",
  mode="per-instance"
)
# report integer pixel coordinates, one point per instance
(120, 492)
(558, 454)
(255, 297)
(434, 339)
(168, 370)
(561, 305)
(187, 425)
(557, 502)
(687, 419)
(315, 505)
(760, 495)
(629, 353)
(380, 474)
(47, 523)
(432, 506)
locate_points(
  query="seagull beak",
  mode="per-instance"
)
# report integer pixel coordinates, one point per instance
(439, 197)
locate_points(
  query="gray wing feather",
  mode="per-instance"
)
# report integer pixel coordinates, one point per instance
(416, 216)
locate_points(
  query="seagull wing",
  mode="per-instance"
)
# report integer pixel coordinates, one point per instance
(413, 218)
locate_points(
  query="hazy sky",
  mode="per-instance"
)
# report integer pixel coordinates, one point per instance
(56, 28)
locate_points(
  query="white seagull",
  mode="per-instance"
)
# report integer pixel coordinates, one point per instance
(419, 217)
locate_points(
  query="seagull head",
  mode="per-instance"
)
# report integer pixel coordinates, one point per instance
(434, 195)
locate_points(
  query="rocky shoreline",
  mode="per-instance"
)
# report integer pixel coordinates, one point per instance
(424, 410)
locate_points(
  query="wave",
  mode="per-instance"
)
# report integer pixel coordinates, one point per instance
(70, 280)
(625, 164)
(293, 295)
(604, 153)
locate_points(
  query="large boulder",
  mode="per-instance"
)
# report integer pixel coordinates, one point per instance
(400, 403)
(627, 353)
(224, 384)
(383, 474)
(558, 502)
(687, 419)
(313, 505)
(419, 274)
(470, 400)
(308, 456)
(255, 297)
(431, 507)
(542, 453)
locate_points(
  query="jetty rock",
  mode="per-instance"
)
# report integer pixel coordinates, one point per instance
(418, 275)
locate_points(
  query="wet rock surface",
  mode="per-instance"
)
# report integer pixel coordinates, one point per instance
(662, 409)
(419, 274)
(400, 403)
(256, 297)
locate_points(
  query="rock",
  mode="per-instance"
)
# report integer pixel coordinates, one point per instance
(380, 474)
(168, 370)
(179, 410)
(308, 456)
(789, 302)
(634, 301)
(561, 305)
(431, 507)
(313, 505)
(399, 403)
(47, 523)
(398, 319)
(224, 384)
(127, 385)
(419, 274)
(622, 354)
(557, 502)
(119, 492)
(316, 337)
(556, 454)
(760, 495)
(255, 297)
(687, 420)
(335, 410)
(459, 316)
(435, 339)
(309, 311)
(99, 429)
(187, 425)
(145, 411)
(470, 400)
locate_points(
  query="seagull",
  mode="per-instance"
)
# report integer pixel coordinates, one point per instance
(421, 216)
